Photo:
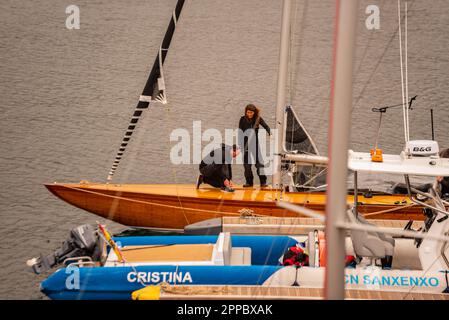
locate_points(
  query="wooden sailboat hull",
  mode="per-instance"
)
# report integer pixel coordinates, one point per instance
(164, 206)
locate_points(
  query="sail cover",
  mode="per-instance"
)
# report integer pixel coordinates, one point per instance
(296, 138)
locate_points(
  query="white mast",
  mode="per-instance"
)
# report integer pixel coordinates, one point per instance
(281, 90)
(339, 129)
(406, 74)
(404, 101)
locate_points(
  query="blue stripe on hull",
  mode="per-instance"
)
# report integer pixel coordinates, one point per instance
(120, 282)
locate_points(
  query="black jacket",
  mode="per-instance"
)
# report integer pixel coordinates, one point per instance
(245, 124)
(226, 158)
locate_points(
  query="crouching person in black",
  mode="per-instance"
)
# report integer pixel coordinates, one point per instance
(215, 168)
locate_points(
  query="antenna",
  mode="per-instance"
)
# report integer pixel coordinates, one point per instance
(431, 124)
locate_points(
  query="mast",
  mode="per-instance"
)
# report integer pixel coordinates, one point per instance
(154, 89)
(407, 107)
(402, 71)
(281, 90)
(339, 129)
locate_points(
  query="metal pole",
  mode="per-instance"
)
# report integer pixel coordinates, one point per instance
(431, 124)
(281, 90)
(339, 128)
(404, 106)
(406, 72)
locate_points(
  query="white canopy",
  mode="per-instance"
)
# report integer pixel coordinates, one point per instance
(399, 164)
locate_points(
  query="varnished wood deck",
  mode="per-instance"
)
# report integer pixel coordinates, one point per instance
(270, 293)
(292, 226)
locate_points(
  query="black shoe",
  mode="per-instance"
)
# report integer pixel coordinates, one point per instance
(387, 262)
(199, 181)
(248, 185)
(263, 185)
(227, 189)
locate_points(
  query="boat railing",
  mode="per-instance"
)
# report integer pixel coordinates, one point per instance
(439, 204)
(79, 262)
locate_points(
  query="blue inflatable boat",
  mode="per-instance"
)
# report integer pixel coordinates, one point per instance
(92, 270)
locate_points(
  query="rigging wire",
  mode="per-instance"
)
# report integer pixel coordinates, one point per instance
(365, 51)
(383, 110)
(173, 170)
(426, 272)
(292, 53)
(379, 61)
(291, 69)
(154, 89)
(294, 61)
(374, 71)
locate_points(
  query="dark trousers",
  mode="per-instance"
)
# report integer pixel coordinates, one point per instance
(249, 177)
(215, 174)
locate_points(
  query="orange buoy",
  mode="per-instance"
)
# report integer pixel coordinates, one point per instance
(376, 155)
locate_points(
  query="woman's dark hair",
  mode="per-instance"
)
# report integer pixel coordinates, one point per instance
(444, 153)
(256, 111)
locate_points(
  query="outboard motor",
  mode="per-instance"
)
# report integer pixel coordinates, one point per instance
(84, 241)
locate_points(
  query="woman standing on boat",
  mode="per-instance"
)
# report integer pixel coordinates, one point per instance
(249, 125)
